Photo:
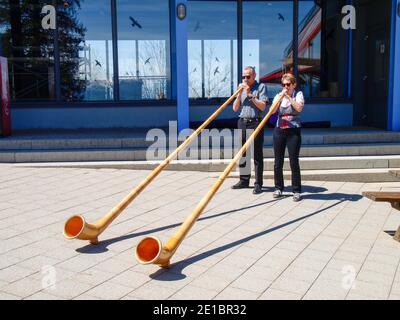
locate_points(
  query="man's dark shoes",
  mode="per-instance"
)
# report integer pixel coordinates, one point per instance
(257, 189)
(240, 185)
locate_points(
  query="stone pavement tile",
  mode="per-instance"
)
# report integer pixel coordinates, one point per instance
(274, 262)
(8, 233)
(78, 263)
(67, 289)
(315, 255)
(292, 245)
(340, 264)
(374, 290)
(349, 256)
(7, 260)
(109, 291)
(248, 252)
(291, 285)
(191, 292)
(387, 269)
(273, 294)
(225, 272)
(14, 273)
(13, 243)
(231, 293)
(38, 262)
(87, 297)
(42, 296)
(374, 277)
(191, 270)
(236, 261)
(309, 263)
(396, 288)
(295, 273)
(358, 297)
(147, 270)
(394, 297)
(26, 252)
(24, 287)
(62, 253)
(247, 282)
(211, 282)
(326, 289)
(151, 291)
(91, 276)
(7, 296)
(382, 258)
(263, 273)
(131, 279)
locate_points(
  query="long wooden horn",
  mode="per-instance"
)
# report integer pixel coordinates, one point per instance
(150, 249)
(77, 228)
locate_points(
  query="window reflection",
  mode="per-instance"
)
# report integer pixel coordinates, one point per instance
(143, 49)
(212, 46)
(29, 50)
(267, 32)
(322, 49)
(86, 50)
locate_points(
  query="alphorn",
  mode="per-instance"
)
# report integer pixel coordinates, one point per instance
(150, 249)
(76, 227)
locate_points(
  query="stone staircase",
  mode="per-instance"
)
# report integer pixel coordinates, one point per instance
(350, 154)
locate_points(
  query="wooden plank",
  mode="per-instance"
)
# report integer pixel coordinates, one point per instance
(382, 196)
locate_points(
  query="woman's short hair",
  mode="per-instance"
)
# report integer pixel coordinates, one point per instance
(290, 77)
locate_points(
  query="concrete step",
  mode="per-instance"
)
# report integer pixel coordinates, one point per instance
(312, 163)
(139, 154)
(127, 140)
(363, 175)
(344, 175)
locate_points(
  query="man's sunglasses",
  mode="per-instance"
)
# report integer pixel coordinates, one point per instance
(246, 77)
(286, 84)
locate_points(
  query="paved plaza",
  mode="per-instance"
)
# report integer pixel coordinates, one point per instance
(334, 244)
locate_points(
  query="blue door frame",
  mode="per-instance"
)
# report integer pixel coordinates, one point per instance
(179, 62)
(394, 80)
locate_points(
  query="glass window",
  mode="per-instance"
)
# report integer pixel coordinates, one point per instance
(322, 49)
(144, 49)
(85, 40)
(29, 49)
(212, 47)
(267, 34)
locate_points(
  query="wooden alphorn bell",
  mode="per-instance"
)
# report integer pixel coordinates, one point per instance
(76, 227)
(150, 249)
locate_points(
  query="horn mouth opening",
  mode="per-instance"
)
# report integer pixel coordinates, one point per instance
(148, 250)
(74, 227)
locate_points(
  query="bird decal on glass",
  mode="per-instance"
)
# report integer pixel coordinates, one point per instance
(147, 61)
(135, 23)
(197, 26)
(216, 70)
(281, 17)
(97, 63)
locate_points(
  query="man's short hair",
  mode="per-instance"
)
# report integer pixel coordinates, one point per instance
(253, 69)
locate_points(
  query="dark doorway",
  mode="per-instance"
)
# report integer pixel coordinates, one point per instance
(371, 57)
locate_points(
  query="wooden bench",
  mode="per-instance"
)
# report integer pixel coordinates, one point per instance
(392, 197)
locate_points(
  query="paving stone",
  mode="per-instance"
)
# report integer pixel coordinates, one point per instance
(273, 294)
(109, 291)
(231, 293)
(191, 292)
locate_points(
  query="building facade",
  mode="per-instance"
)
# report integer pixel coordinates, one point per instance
(138, 64)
